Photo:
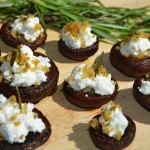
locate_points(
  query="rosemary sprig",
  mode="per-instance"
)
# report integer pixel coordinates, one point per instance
(19, 99)
(99, 63)
(13, 57)
(107, 22)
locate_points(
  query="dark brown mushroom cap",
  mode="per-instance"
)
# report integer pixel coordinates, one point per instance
(34, 94)
(130, 66)
(9, 39)
(105, 142)
(33, 140)
(143, 100)
(77, 54)
(80, 99)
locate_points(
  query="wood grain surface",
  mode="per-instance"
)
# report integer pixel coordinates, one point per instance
(70, 123)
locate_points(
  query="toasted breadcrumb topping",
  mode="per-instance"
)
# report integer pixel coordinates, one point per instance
(75, 27)
(110, 127)
(135, 36)
(89, 72)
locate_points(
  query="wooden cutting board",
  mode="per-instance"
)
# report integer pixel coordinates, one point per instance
(70, 123)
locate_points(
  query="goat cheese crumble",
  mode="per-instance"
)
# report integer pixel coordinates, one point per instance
(83, 76)
(16, 124)
(28, 26)
(113, 121)
(135, 45)
(78, 35)
(145, 88)
(27, 69)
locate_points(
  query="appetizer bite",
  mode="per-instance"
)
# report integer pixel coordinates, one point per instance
(24, 30)
(131, 56)
(21, 128)
(35, 74)
(111, 129)
(90, 86)
(77, 42)
(141, 91)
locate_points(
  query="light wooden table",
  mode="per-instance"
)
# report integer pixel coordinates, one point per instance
(70, 123)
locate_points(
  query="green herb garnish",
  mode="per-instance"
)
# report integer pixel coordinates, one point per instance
(99, 63)
(13, 57)
(148, 76)
(88, 90)
(107, 22)
(19, 99)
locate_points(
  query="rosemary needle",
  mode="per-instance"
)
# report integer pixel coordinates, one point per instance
(19, 99)
(99, 63)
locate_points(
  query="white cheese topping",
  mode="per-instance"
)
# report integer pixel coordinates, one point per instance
(14, 124)
(28, 26)
(31, 72)
(100, 84)
(83, 38)
(135, 47)
(145, 88)
(113, 121)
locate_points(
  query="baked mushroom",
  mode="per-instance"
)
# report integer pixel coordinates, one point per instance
(77, 42)
(25, 128)
(131, 56)
(35, 74)
(111, 129)
(141, 91)
(24, 30)
(90, 86)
